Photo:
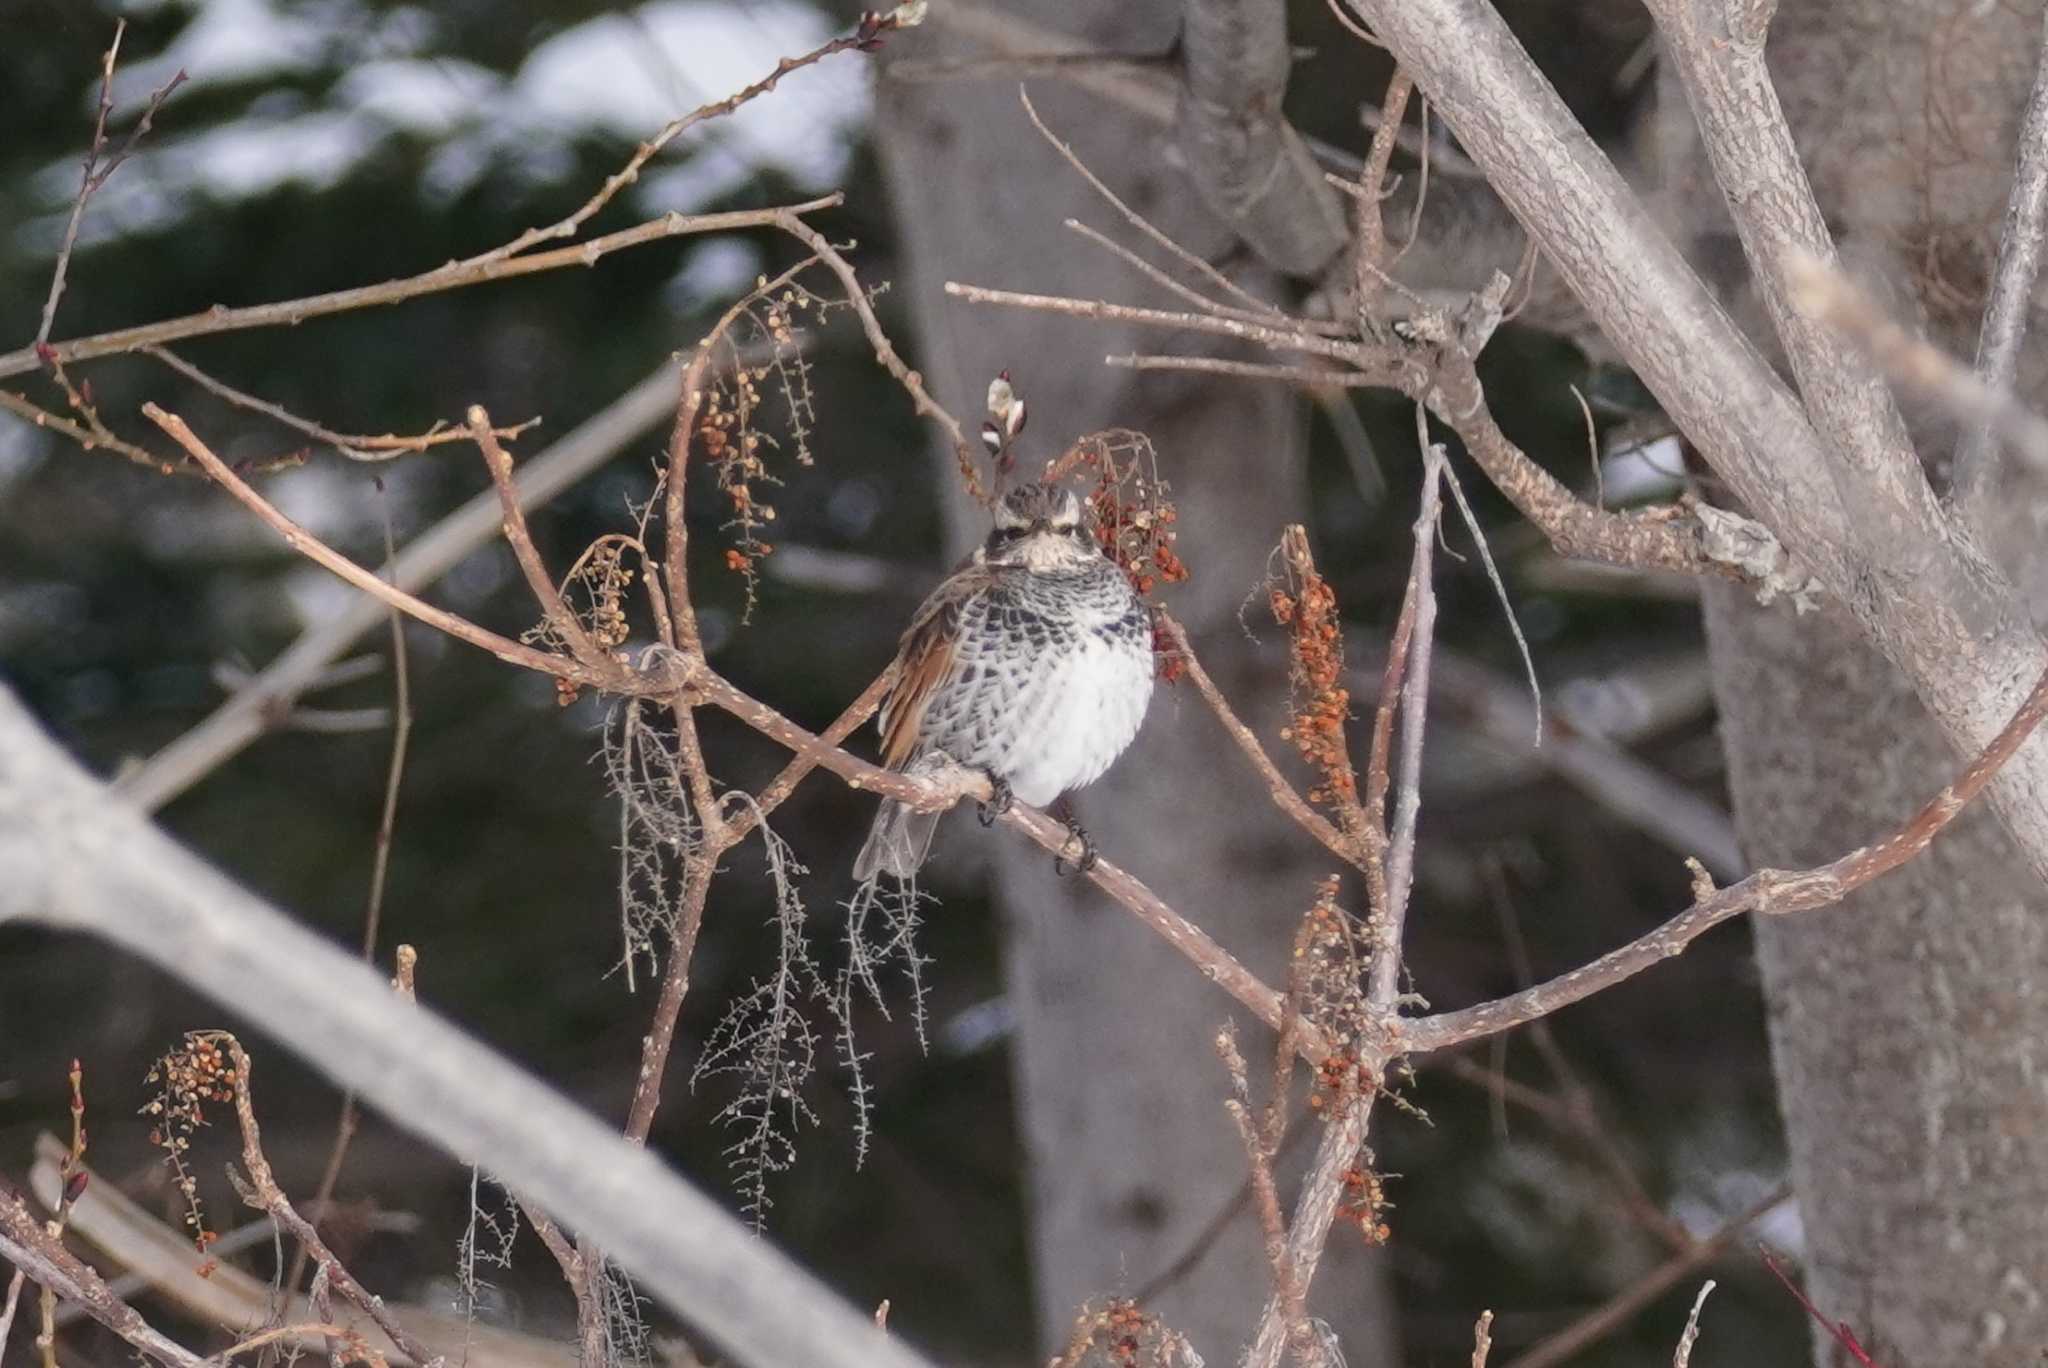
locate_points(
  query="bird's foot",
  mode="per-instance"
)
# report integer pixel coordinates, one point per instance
(1061, 867)
(999, 801)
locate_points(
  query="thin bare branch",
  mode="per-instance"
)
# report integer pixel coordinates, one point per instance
(1370, 263)
(356, 448)
(1281, 335)
(452, 276)
(1975, 479)
(258, 700)
(96, 173)
(7, 1308)
(267, 1196)
(1285, 796)
(562, 623)
(1617, 1311)
(1770, 891)
(1833, 299)
(86, 437)
(1384, 984)
(646, 152)
(34, 1251)
(306, 544)
(1140, 222)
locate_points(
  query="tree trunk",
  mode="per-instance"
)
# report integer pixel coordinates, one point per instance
(1131, 1154)
(1905, 1024)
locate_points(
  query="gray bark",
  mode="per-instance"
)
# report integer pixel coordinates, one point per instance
(1905, 1023)
(75, 856)
(1130, 1151)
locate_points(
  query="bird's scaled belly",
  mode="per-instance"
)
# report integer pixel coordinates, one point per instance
(1071, 729)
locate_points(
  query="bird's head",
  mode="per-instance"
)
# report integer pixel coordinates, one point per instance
(1041, 528)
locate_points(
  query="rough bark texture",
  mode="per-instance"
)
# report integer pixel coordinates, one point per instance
(1131, 1153)
(1905, 1024)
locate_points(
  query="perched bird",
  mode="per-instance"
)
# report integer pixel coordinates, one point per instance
(1032, 663)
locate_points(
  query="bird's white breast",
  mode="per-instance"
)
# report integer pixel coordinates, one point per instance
(1080, 716)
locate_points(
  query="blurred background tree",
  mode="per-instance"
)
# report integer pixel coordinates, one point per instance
(338, 142)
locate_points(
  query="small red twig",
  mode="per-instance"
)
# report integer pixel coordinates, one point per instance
(1839, 1329)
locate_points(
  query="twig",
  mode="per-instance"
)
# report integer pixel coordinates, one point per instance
(453, 276)
(1259, 1157)
(2012, 291)
(7, 1308)
(1840, 1330)
(1285, 796)
(1832, 298)
(1192, 296)
(1371, 246)
(1141, 223)
(1616, 1312)
(1386, 966)
(646, 151)
(267, 1196)
(1500, 592)
(1280, 334)
(38, 1254)
(356, 448)
(373, 909)
(95, 175)
(1682, 1356)
(306, 544)
(1773, 892)
(562, 623)
(353, 1350)
(886, 355)
(85, 437)
(1310, 377)
(1344, 1138)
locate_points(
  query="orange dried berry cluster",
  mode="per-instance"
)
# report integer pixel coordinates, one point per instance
(1138, 533)
(1322, 705)
(1119, 1334)
(1338, 1075)
(1363, 1201)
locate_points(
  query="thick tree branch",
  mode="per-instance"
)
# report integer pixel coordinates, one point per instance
(1717, 47)
(1960, 636)
(1247, 163)
(73, 857)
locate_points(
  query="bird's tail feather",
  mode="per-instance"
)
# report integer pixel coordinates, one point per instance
(897, 843)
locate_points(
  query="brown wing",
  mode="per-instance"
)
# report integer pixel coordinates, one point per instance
(923, 662)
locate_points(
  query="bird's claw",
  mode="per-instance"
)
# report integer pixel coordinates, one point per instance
(1061, 868)
(999, 801)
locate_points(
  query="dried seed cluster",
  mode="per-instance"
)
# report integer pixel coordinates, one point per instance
(1319, 702)
(1119, 1334)
(729, 432)
(1133, 515)
(186, 1079)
